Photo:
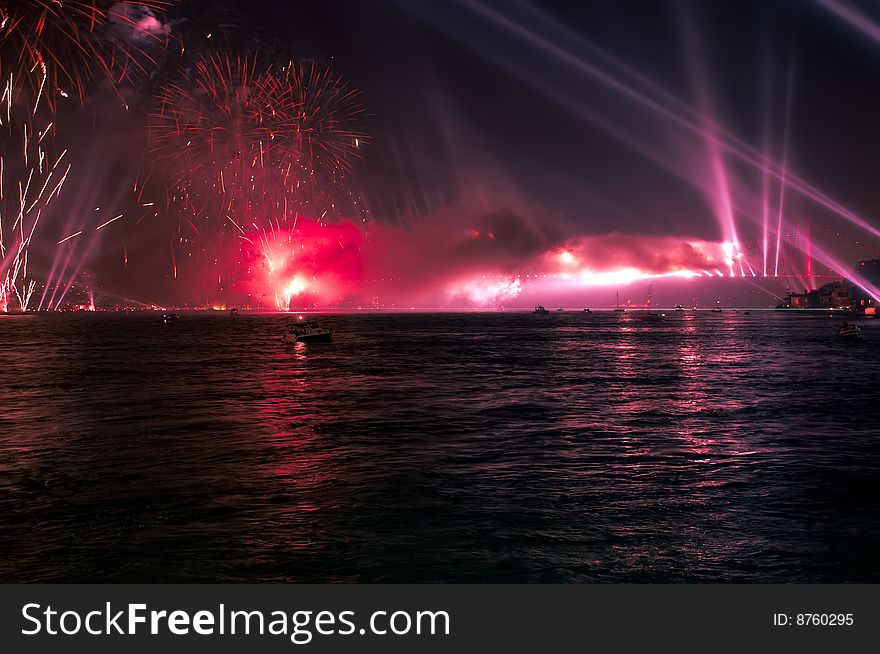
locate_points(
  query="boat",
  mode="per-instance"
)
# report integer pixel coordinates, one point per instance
(617, 307)
(747, 313)
(560, 311)
(588, 311)
(717, 307)
(679, 307)
(540, 310)
(307, 332)
(234, 312)
(170, 317)
(651, 317)
(849, 330)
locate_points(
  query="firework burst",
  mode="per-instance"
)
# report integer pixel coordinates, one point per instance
(251, 143)
(249, 148)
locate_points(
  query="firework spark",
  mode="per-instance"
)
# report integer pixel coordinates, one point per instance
(50, 50)
(238, 138)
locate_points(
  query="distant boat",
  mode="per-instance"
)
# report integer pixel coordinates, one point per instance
(307, 332)
(234, 312)
(849, 330)
(679, 307)
(588, 311)
(560, 310)
(617, 307)
(747, 313)
(170, 317)
(651, 317)
(717, 307)
(540, 310)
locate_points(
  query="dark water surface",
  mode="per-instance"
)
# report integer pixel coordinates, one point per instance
(439, 447)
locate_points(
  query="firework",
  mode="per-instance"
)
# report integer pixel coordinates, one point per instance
(248, 148)
(28, 183)
(49, 50)
(312, 264)
(325, 115)
(253, 143)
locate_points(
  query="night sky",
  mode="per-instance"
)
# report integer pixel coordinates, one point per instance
(454, 97)
(555, 125)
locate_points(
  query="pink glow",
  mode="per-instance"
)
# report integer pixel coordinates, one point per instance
(311, 264)
(664, 105)
(489, 260)
(483, 292)
(853, 17)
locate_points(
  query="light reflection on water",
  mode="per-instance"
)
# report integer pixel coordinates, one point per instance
(441, 447)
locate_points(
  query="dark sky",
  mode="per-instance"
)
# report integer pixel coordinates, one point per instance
(457, 101)
(552, 110)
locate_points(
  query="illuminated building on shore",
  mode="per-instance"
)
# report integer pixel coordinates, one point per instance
(836, 295)
(869, 270)
(840, 295)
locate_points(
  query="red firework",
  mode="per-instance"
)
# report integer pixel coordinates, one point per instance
(51, 48)
(54, 47)
(254, 142)
(312, 264)
(325, 114)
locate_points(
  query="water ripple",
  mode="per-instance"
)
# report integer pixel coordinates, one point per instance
(439, 447)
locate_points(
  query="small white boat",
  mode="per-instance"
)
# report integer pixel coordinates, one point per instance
(307, 332)
(540, 310)
(679, 307)
(849, 330)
